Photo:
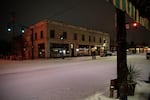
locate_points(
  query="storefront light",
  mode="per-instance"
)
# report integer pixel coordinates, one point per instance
(102, 48)
(104, 44)
(64, 51)
(60, 51)
(77, 50)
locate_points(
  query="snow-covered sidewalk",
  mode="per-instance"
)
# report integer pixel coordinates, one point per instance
(142, 92)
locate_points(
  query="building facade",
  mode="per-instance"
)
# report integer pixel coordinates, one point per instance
(48, 39)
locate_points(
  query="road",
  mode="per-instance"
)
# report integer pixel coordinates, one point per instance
(62, 79)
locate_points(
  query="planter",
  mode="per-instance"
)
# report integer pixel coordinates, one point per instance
(131, 89)
(132, 76)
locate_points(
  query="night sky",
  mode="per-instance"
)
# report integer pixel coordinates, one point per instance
(94, 14)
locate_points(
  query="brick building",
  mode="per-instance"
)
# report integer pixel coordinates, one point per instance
(48, 38)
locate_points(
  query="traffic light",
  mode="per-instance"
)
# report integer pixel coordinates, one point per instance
(22, 29)
(131, 25)
(134, 24)
(9, 28)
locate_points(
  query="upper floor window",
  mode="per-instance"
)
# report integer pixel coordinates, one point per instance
(41, 34)
(83, 37)
(104, 41)
(75, 36)
(52, 33)
(65, 35)
(89, 38)
(100, 39)
(94, 39)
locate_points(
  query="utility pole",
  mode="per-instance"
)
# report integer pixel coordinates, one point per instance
(12, 23)
(12, 20)
(11, 27)
(122, 69)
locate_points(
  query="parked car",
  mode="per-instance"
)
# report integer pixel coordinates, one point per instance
(148, 55)
(106, 53)
(114, 53)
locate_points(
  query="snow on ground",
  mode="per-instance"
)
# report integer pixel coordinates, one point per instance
(99, 96)
(142, 92)
(71, 78)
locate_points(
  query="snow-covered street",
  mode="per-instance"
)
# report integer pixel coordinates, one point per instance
(62, 79)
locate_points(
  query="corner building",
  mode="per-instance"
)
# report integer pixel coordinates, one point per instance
(50, 39)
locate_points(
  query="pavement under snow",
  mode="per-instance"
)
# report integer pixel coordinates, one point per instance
(142, 92)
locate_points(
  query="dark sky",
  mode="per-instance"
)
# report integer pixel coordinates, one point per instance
(94, 14)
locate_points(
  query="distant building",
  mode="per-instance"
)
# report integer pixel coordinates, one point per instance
(54, 39)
